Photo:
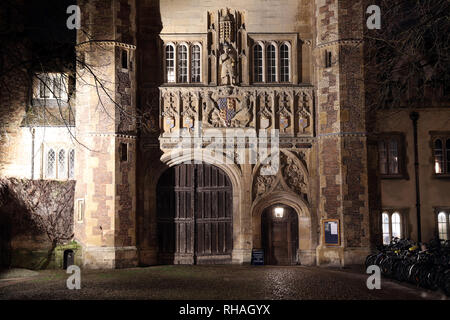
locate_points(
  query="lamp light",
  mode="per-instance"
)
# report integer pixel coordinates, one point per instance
(279, 212)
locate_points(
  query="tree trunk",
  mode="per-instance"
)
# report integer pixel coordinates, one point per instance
(44, 263)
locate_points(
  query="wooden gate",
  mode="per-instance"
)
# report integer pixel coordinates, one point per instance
(195, 209)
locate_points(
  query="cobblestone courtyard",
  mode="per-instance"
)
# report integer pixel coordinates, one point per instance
(210, 282)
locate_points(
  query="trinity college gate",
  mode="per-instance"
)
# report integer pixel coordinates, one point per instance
(195, 215)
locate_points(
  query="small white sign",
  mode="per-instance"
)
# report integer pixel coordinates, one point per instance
(333, 228)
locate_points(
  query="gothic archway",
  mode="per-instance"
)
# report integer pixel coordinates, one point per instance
(279, 235)
(194, 215)
(306, 224)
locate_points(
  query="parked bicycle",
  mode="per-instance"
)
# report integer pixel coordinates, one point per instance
(426, 265)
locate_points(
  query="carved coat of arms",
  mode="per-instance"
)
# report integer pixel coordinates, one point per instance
(227, 107)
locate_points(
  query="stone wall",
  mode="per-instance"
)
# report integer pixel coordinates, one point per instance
(400, 194)
(341, 128)
(106, 127)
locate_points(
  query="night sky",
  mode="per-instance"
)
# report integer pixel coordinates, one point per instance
(46, 21)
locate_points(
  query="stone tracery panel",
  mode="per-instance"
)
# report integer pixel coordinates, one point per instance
(292, 176)
(286, 109)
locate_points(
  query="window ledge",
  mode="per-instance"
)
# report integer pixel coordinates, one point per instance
(394, 177)
(441, 176)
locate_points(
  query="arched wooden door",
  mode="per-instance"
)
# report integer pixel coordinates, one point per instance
(280, 236)
(195, 215)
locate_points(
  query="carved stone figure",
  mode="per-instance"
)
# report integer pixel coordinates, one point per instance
(228, 62)
(244, 115)
(293, 176)
(262, 185)
(211, 115)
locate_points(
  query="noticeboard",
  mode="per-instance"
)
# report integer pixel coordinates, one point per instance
(331, 232)
(258, 257)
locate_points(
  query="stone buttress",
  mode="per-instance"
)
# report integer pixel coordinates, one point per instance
(105, 196)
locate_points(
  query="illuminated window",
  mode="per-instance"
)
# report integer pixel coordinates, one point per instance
(271, 59)
(45, 86)
(57, 87)
(51, 86)
(51, 157)
(396, 225)
(182, 64)
(258, 63)
(391, 155)
(438, 157)
(284, 63)
(443, 225)
(195, 64)
(441, 150)
(391, 226)
(170, 63)
(71, 164)
(62, 164)
(386, 228)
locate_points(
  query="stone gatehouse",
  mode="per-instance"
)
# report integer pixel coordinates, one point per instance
(239, 69)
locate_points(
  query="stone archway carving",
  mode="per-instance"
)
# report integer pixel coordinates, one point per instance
(306, 251)
(292, 176)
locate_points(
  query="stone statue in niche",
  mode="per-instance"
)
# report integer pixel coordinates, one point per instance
(228, 68)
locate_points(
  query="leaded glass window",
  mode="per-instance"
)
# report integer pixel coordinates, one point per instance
(271, 59)
(182, 64)
(284, 63)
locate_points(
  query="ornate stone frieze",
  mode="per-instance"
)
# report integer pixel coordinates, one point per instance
(285, 108)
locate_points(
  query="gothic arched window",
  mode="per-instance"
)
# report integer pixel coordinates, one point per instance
(258, 63)
(284, 63)
(51, 158)
(385, 228)
(271, 62)
(170, 63)
(61, 164)
(391, 225)
(443, 226)
(396, 225)
(71, 164)
(195, 63)
(182, 64)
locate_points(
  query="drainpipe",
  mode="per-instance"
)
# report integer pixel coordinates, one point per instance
(414, 116)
